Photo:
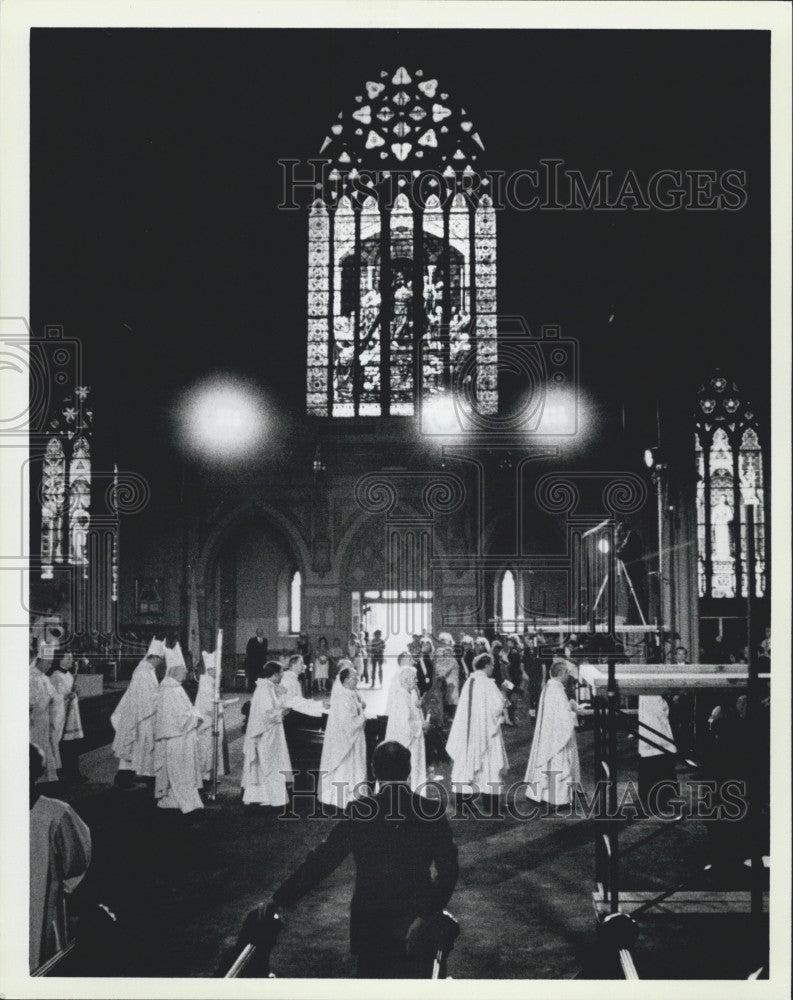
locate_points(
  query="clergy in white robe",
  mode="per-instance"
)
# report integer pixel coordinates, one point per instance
(205, 706)
(342, 767)
(293, 698)
(60, 853)
(553, 766)
(177, 768)
(475, 744)
(62, 680)
(406, 722)
(45, 717)
(266, 765)
(133, 719)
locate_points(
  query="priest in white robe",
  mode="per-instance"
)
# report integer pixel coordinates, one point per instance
(62, 680)
(177, 768)
(475, 744)
(205, 706)
(342, 768)
(60, 853)
(45, 715)
(406, 722)
(133, 719)
(266, 765)
(553, 768)
(293, 698)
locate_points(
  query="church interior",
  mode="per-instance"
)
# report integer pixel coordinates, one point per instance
(322, 374)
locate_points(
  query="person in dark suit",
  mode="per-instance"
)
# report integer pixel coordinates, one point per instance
(395, 836)
(255, 656)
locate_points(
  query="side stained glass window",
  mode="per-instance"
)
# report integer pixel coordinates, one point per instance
(729, 464)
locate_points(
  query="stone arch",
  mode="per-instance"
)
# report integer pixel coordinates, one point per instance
(235, 519)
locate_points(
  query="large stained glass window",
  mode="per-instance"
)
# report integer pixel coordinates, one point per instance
(405, 233)
(729, 477)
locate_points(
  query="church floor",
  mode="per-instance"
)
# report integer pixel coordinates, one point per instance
(182, 888)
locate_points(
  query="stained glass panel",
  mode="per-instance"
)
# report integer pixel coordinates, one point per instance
(370, 310)
(750, 464)
(79, 502)
(53, 494)
(318, 305)
(485, 329)
(401, 336)
(343, 310)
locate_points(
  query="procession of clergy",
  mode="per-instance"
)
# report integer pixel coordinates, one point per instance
(160, 734)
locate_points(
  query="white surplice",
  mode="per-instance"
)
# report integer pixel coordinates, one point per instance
(343, 762)
(46, 720)
(266, 765)
(63, 683)
(294, 699)
(60, 852)
(475, 744)
(406, 726)
(133, 721)
(553, 764)
(177, 770)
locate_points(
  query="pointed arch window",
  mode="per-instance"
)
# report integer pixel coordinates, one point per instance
(402, 256)
(730, 476)
(295, 602)
(509, 605)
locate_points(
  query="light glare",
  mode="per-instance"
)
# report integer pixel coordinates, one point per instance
(222, 418)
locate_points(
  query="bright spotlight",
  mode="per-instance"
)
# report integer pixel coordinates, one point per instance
(603, 545)
(561, 413)
(649, 458)
(222, 417)
(439, 415)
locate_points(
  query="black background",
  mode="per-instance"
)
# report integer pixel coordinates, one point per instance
(156, 237)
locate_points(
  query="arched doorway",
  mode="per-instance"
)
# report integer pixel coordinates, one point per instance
(254, 580)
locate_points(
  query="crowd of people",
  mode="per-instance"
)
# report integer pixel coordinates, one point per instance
(447, 702)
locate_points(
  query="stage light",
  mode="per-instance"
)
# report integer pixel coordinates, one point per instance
(603, 545)
(649, 458)
(439, 416)
(222, 418)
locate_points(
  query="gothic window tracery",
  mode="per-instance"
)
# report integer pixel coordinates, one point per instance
(729, 476)
(402, 263)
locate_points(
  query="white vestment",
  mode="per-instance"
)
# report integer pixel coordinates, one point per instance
(294, 699)
(60, 852)
(266, 766)
(63, 683)
(553, 760)
(475, 743)
(343, 762)
(406, 726)
(177, 769)
(46, 720)
(654, 724)
(204, 703)
(133, 721)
